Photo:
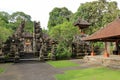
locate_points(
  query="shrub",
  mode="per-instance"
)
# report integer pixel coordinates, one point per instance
(63, 52)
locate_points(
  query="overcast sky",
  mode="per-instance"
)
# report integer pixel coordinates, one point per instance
(39, 9)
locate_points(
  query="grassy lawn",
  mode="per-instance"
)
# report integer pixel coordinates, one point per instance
(2, 70)
(62, 64)
(90, 74)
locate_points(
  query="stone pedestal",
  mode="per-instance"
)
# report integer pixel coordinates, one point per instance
(113, 61)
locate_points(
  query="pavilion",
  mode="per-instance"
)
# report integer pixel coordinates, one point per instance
(109, 33)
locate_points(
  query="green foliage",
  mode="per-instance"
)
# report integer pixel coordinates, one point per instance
(9, 23)
(90, 74)
(60, 23)
(58, 16)
(66, 54)
(62, 64)
(50, 55)
(59, 51)
(4, 19)
(98, 13)
(29, 26)
(63, 52)
(17, 17)
(100, 44)
(45, 31)
(63, 33)
(5, 33)
(2, 70)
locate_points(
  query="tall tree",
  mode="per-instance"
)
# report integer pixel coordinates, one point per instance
(17, 17)
(58, 16)
(5, 33)
(4, 19)
(9, 23)
(98, 13)
(64, 32)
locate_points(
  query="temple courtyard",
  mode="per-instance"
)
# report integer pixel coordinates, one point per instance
(56, 70)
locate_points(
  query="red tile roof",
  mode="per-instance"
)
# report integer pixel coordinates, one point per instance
(111, 31)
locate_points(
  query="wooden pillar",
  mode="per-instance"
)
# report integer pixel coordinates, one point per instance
(106, 54)
(108, 47)
(117, 48)
(92, 53)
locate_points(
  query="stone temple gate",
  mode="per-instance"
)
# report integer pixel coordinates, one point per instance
(23, 45)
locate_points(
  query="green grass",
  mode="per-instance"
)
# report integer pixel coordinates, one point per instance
(62, 64)
(90, 74)
(2, 70)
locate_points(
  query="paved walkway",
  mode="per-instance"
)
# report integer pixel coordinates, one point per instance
(29, 71)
